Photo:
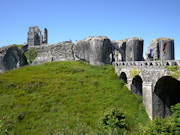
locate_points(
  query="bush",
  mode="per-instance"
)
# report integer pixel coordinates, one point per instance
(159, 126)
(162, 126)
(115, 131)
(114, 119)
(167, 126)
(176, 115)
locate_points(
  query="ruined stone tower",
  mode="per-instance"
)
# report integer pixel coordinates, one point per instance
(35, 37)
(134, 49)
(45, 36)
(160, 48)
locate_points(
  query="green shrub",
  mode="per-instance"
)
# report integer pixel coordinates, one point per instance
(114, 119)
(159, 126)
(176, 115)
(115, 131)
(167, 126)
(162, 126)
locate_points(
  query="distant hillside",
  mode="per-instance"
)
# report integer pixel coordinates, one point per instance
(64, 97)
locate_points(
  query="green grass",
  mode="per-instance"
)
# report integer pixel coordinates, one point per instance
(64, 97)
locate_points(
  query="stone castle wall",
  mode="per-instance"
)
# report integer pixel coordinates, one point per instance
(95, 50)
(161, 48)
(55, 52)
(11, 57)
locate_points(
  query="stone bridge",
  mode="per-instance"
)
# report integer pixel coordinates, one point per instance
(151, 80)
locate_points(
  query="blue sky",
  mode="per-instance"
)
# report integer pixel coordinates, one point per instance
(79, 19)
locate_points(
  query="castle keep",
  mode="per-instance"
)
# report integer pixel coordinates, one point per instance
(35, 36)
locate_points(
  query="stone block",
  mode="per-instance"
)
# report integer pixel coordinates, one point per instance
(95, 50)
(134, 49)
(11, 57)
(55, 52)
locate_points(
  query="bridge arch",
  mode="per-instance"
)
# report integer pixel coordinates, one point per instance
(123, 77)
(166, 93)
(136, 86)
(175, 64)
(168, 64)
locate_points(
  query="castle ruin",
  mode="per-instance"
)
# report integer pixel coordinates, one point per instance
(147, 77)
(35, 36)
(160, 48)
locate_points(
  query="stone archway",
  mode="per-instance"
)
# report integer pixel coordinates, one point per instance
(123, 77)
(166, 93)
(136, 86)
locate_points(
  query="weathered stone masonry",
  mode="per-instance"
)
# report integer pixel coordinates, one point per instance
(55, 52)
(161, 48)
(11, 57)
(95, 50)
(149, 78)
(158, 88)
(35, 36)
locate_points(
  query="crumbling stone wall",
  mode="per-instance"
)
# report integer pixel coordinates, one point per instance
(118, 50)
(134, 49)
(11, 57)
(55, 52)
(160, 48)
(35, 36)
(1, 61)
(95, 50)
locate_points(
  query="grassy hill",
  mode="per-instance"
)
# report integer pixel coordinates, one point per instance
(64, 97)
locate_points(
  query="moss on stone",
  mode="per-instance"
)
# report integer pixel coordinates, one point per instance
(18, 46)
(134, 72)
(119, 68)
(173, 71)
(163, 38)
(157, 59)
(31, 54)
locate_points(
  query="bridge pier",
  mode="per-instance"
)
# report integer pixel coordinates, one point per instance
(129, 83)
(147, 98)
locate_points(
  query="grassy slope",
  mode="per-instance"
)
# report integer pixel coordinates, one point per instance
(59, 96)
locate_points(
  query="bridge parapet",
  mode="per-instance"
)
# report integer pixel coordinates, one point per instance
(148, 63)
